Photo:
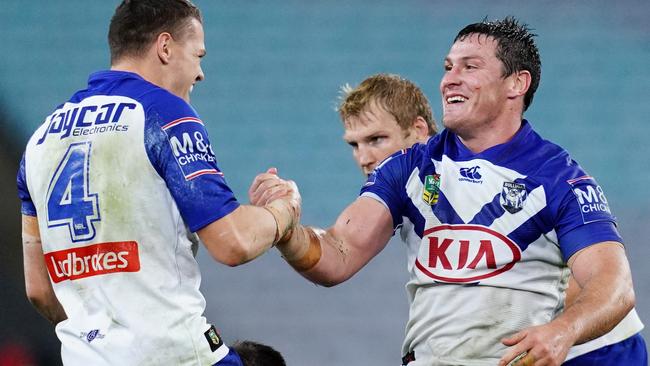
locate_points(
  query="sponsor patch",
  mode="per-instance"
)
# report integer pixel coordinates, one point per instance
(513, 196)
(213, 338)
(591, 199)
(465, 253)
(93, 116)
(191, 147)
(93, 260)
(431, 191)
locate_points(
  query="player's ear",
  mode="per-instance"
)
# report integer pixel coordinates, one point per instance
(163, 47)
(421, 129)
(519, 83)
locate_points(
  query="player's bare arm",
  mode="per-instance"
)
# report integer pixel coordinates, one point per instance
(329, 257)
(604, 297)
(359, 233)
(37, 282)
(249, 231)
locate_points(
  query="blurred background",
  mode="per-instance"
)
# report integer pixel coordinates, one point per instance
(273, 72)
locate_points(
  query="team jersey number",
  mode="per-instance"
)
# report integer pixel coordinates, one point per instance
(69, 202)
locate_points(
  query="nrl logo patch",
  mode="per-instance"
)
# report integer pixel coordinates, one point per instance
(213, 338)
(513, 196)
(431, 189)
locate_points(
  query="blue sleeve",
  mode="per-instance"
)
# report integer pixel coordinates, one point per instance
(583, 217)
(179, 149)
(387, 184)
(26, 205)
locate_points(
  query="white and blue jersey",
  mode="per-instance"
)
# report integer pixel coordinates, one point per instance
(488, 236)
(121, 177)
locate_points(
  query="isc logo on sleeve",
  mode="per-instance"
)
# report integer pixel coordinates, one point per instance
(191, 147)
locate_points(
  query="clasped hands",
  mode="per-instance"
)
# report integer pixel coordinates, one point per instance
(269, 190)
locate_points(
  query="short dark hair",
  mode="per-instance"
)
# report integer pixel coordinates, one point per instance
(136, 23)
(516, 48)
(256, 354)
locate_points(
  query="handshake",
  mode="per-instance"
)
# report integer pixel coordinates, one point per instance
(299, 245)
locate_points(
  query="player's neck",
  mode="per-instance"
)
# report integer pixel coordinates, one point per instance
(141, 66)
(497, 134)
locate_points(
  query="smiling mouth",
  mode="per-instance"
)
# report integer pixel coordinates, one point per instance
(456, 99)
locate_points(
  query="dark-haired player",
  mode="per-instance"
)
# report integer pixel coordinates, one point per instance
(495, 219)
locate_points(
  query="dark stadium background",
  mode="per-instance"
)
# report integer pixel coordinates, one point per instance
(273, 71)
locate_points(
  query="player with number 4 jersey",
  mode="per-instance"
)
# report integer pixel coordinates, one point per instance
(119, 186)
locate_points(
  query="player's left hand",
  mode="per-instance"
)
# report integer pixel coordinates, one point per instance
(547, 345)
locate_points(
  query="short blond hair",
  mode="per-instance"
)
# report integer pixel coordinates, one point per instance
(398, 96)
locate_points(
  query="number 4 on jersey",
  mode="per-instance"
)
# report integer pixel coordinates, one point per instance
(69, 202)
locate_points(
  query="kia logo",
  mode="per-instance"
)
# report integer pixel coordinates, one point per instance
(465, 253)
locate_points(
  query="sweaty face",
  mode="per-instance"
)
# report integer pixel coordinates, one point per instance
(185, 63)
(374, 135)
(472, 87)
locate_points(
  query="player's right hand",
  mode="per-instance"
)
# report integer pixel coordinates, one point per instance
(545, 345)
(267, 187)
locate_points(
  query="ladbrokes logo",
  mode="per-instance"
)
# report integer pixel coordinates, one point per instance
(92, 260)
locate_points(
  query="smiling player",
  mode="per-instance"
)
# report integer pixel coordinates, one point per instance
(118, 186)
(495, 220)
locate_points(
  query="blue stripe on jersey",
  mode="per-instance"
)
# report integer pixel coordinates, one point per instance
(445, 212)
(414, 216)
(529, 231)
(489, 212)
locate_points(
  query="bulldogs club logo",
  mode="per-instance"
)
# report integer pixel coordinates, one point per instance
(513, 196)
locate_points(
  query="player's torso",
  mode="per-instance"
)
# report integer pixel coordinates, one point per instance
(116, 248)
(478, 223)
(483, 258)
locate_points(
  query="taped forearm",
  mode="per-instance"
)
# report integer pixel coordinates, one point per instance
(303, 250)
(285, 217)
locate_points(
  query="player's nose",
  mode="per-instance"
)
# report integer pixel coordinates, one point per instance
(367, 160)
(449, 78)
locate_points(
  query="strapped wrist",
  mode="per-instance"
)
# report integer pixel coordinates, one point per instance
(283, 215)
(303, 250)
